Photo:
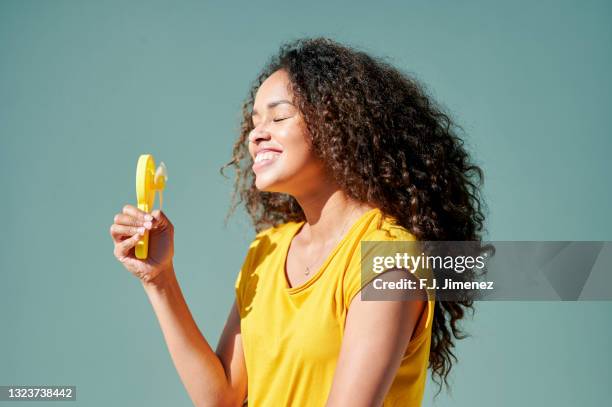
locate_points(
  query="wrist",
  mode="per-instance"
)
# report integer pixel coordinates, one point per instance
(162, 282)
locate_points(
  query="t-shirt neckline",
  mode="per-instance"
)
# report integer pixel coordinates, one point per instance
(293, 232)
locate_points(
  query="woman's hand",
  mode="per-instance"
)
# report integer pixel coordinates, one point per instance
(128, 227)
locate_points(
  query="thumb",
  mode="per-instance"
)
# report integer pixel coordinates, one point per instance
(160, 221)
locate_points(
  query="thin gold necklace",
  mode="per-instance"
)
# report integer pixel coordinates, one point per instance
(308, 268)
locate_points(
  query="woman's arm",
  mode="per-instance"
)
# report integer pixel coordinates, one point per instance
(376, 337)
(231, 354)
(211, 379)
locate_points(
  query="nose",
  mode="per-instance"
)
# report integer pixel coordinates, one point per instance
(256, 135)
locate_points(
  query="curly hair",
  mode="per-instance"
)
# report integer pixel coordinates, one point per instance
(385, 142)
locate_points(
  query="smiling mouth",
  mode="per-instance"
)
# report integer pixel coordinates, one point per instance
(265, 156)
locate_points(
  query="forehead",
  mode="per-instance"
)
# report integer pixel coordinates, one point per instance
(275, 86)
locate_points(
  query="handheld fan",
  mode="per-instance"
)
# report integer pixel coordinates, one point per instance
(148, 180)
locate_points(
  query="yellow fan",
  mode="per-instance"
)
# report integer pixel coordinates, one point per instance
(148, 180)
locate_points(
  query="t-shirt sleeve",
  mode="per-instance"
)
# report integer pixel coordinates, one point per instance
(241, 284)
(238, 287)
(381, 244)
(372, 244)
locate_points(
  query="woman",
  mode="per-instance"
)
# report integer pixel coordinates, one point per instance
(336, 148)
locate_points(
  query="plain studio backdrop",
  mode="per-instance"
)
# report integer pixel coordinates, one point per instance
(88, 86)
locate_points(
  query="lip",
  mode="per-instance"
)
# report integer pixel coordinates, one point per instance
(264, 149)
(263, 164)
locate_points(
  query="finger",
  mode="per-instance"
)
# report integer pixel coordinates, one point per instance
(119, 232)
(128, 220)
(134, 212)
(122, 249)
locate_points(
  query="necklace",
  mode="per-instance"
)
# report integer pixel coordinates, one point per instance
(308, 267)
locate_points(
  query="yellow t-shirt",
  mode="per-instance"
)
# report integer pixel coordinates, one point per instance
(292, 336)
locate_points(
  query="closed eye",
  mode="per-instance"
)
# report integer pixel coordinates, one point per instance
(281, 119)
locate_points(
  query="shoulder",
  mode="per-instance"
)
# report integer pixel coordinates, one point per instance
(386, 229)
(262, 248)
(275, 233)
(266, 240)
(382, 233)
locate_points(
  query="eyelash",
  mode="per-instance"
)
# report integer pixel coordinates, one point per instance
(274, 120)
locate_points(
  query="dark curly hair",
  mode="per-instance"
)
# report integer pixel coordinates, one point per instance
(385, 142)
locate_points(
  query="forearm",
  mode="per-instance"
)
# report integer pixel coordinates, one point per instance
(198, 366)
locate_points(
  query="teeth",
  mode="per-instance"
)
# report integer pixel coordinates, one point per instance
(266, 155)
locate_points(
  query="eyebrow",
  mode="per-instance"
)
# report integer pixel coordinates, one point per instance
(271, 105)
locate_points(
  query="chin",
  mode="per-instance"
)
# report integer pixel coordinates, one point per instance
(267, 187)
(266, 184)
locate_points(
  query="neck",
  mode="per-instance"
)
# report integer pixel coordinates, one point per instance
(328, 210)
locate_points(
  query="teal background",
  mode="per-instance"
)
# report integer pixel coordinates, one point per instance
(88, 86)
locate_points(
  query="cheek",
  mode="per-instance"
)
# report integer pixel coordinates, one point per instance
(297, 147)
(251, 151)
